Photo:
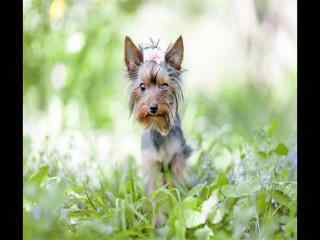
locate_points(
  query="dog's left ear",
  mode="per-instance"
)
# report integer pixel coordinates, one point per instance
(174, 54)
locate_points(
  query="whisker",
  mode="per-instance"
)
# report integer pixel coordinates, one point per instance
(180, 90)
(171, 118)
(176, 100)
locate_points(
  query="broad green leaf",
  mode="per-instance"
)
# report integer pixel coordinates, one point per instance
(261, 202)
(190, 202)
(222, 179)
(272, 128)
(209, 205)
(40, 176)
(218, 216)
(281, 150)
(263, 155)
(223, 161)
(242, 214)
(203, 233)
(291, 228)
(194, 218)
(281, 198)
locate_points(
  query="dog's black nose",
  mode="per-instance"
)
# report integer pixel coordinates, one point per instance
(153, 108)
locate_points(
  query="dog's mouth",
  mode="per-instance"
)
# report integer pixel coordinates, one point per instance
(159, 122)
(162, 119)
(152, 115)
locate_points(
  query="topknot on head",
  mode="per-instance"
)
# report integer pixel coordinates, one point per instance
(152, 44)
(135, 56)
(152, 52)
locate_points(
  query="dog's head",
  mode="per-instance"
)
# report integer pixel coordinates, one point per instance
(155, 83)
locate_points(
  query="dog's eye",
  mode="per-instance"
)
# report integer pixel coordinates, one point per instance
(142, 86)
(164, 86)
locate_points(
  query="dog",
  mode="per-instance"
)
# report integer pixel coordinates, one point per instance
(155, 94)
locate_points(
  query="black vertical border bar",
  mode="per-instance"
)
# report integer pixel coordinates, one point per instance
(19, 119)
(11, 114)
(308, 120)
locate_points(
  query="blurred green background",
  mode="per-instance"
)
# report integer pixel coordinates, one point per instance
(73, 57)
(241, 79)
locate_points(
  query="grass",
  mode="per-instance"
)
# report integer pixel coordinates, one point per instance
(242, 183)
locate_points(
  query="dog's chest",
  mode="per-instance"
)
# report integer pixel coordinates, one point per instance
(161, 148)
(168, 150)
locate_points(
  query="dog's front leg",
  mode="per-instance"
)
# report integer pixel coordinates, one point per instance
(154, 179)
(178, 164)
(153, 175)
(152, 171)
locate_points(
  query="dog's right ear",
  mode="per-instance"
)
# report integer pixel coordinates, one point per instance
(133, 56)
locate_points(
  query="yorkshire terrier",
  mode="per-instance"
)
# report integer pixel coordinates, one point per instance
(155, 96)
